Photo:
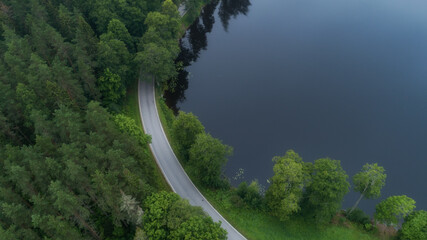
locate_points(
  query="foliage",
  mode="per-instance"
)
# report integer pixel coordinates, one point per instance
(199, 228)
(251, 194)
(169, 217)
(393, 209)
(256, 224)
(369, 182)
(128, 125)
(156, 61)
(68, 170)
(358, 216)
(207, 158)
(75, 172)
(159, 45)
(415, 226)
(111, 87)
(185, 128)
(326, 190)
(285, 192)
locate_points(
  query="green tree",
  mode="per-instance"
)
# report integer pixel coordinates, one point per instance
(326, 190)
(129, 126)
(251, 194)
(393, 209)
(415, 226)
(185, 128)
(286, 189)
(167, 216)
(114, 55)
(157, 62)
(207, 157)
(199, 228)
(111, 87)
(369, 182)
(117, 30)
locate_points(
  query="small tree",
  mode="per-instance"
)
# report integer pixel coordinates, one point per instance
(415, 226)
(199, 228)
(327, 188)
(285, 192)
(185, 129)
(128, 125)
(207, 157)
(394, 209)
(368, 182)
(157, 62)
(111, 87)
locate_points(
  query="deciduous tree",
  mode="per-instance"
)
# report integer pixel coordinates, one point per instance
(415, 226)
(368, 182)
(326, 190)
(285, 192)
(185, 128)
(393, 209)
(207, 157)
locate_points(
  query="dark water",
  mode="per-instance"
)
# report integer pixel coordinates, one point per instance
(332, 78)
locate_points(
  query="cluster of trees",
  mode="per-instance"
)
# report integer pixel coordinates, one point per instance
(205, 155)
(72, 166)
(169, 217)
(313, 190)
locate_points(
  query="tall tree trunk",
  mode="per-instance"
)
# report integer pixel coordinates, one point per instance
(357, 203)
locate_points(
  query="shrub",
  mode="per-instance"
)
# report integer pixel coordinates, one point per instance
(250, 194)
(358, 216)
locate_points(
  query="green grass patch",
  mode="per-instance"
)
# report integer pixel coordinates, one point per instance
(260, 225)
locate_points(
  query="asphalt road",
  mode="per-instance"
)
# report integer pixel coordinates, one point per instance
(167, 161)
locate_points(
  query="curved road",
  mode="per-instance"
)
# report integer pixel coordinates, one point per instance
(167, 161)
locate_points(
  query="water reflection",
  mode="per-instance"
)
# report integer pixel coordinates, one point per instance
(232, 8)
(195, 40)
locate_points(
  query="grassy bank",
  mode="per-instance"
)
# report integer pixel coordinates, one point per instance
(255, 224)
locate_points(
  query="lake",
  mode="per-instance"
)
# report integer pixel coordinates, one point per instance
(339, 79)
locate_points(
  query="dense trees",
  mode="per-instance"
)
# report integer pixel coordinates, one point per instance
(70, 169)
(415, 226)
(169, 217)
(393, 209)
(185, 129)
(159, 44)
(208, 156)
(77, 171)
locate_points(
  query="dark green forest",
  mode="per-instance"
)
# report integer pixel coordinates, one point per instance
(73, 166)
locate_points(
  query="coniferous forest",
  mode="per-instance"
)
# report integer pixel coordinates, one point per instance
(73, 166)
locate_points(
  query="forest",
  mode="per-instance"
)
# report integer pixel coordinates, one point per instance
(74, 165)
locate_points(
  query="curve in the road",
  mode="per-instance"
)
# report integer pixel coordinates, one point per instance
(168, 162)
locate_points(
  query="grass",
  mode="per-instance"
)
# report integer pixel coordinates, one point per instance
(260, 225)
(131, 109)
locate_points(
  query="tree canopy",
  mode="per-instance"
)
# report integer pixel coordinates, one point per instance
(393, 209)
(326, 190)
(286, 189)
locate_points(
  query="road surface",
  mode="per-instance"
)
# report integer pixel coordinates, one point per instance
(167, 161)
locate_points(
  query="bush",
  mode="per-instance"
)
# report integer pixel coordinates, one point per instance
(358, 216)
(250, 194)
